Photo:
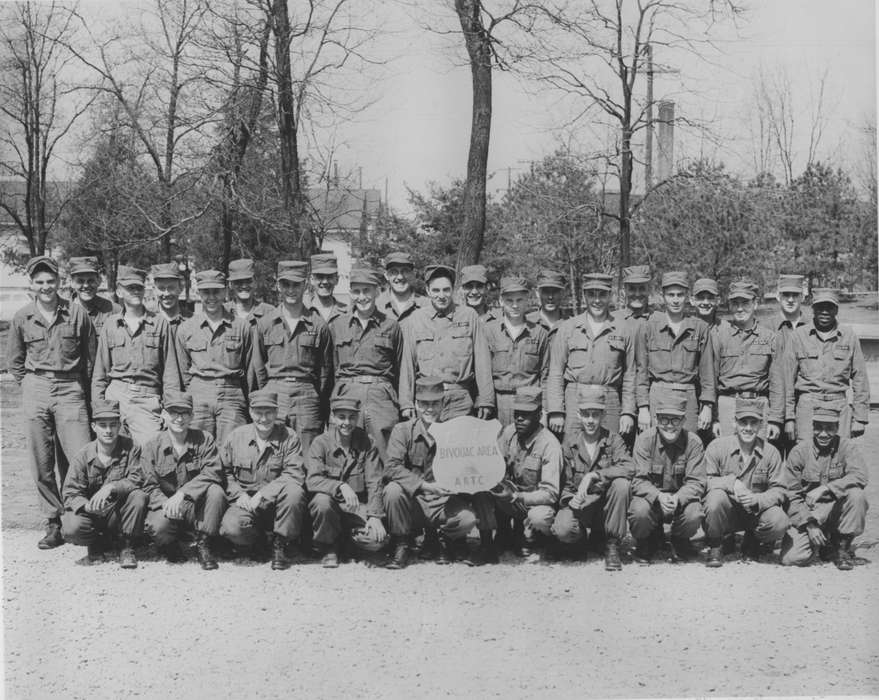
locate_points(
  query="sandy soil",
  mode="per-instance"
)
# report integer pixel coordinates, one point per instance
(561, 629)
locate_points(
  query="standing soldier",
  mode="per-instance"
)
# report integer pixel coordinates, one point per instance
(367, 350)
(324, 278)
(592, 349)
(597, 480)
(50, 354)
(825, 478)
(790, 317)
(669, 482)
(168, 283)
(745, 487)
(474, 280)
(217, 360)
(136, 361)
(265, 482)
(447, 341)
(400, 300)
(102, 493)
(823, 360)
(296, 354)
(243, 305)
(550, 295)
(704, 299)
(519, 348)
(675, 355)
(636, 287)
(747, 364)
(184, 481)
(85, 280)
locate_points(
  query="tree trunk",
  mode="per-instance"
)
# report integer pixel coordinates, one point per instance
(625, 195)
(478, 44)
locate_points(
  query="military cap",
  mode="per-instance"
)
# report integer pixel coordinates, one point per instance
(429, 389)
(675, 279)
(178, 400)
(597, 280)
(324, 264)
(671, 403)
(742, 290)
(825, 413)
(591, 396)
(514, 284)
(551, 278)
(241, 269)
(263, 399)
(165, 271)
(344, 403)
(823, 295)
(749, 408)
(474, 273)
(41, 261)
(85, 265)
(363, 274)
(130, 275)
(791, 283)
(210, 279)
(399, 258)
(292, 270)
(105, 409)
(705, 284)
(439, 270)
(527, 398)
(636, 274)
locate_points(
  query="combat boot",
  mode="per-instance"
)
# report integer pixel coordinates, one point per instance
(612, 561)
(682, 550)
(714, 559)
(446, 554)
(280, 560)
(53, 537)
(205, 553)
(127, 558)
(174, 553)
(398, 556)
(430, 545)
(643, 551)
(94, 555)
(485, 552)
(843, 556)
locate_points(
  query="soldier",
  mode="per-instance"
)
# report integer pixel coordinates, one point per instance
(823, 360)
(745, 354)
(409, 466)
(102, 495)
(50, 354)
(550, 296)
(529, 492)
(592, 349)
(669, 482)
(344, 476)
(745, 487)
(85, 279)
(184, 481)
(296, 354)
(447, 341)
(519, 348)
(265, 482)
(242, 303)
(168, 283)
(324, 278)
(597, 476)
(367, 350)
(636, 286)
(474, 280)
(789, 318)
(675, 354)
(704, 299)
(400, 299)
(217, 360)
(825, 480)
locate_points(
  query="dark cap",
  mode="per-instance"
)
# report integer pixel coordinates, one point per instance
(263, 399)
(292, 270)
(551, 278)
(825, 413)
(749, 408)
(41, 262)
(636, 274)
(105, 409)
(671, 403)
(363, 274)
(527, 398)
(823, 295)
(742, 290)
(514, 284)
(429, 389)
(85, 265)
(791, 283)
(210, 279)
(324, 264)
(177, 399)
(474, 273)
(705, 284)
(165, 271)
(675, 279)
(130, 275)
(591, 396)
(344, 403)
(597, 280)
(399, 258)
(439, 270)
(241, 269)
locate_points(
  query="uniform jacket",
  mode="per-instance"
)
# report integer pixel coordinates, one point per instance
(409, 455)
(386, 306)
(677, 467)
(763, 473)
(192, 472)
(612, 461)
(87, 474)
(305, 353)
(227, 353)
(99, 310)
(247, 470)
(374, 351)
(534, 467)
(520, 362)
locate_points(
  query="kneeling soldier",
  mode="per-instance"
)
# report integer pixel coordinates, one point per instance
(344, 472)
(183, 478)
(102, 492)
(825, 478)
(597, 476)
(745, 487)
(669, 481)
(265, 478)
(529, 492)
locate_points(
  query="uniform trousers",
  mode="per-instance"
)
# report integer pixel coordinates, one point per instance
(842, 516)
(219, 406)
(456, 515)
(805, 402)
(330, 520)
(282, 515)
(535, 518)
(379, 408)
(645, 518)
(203, 517)
(140, 409)
(605, 511)
(299, 408)
(724, 516)
(126, 517)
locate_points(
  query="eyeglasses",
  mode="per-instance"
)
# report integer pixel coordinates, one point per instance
(671, 421)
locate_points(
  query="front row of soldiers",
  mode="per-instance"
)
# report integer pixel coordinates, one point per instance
(257, 483)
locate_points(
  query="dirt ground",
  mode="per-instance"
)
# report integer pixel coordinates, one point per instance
(508, 630)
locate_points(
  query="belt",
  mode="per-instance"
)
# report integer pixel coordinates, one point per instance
(676, 385)
(138, 388)
(52, 374)
(222, 381)
(824, 395)
(294, 380)
(466, 386)
(746, 394)
(365, 379)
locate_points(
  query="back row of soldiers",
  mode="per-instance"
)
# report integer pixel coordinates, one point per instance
(310, 354)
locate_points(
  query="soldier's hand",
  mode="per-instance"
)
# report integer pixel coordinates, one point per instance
(255, 502)
(790, 430)
(643, 419)
(816, 535)
(627, 425)
(668, 502)
(349, 497)
(100, 500)
(172, 508)
(432, 489)
(485, 413)
(375, 529)
(748, 499)
(503, 491)
(858, 428)
(715, 429)
(815, 495)
(773, 432)
(243, 502)
(556, 422)
(588, 479)
(705, 417)
(408, 413)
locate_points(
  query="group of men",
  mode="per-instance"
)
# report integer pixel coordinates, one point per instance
(306, 425)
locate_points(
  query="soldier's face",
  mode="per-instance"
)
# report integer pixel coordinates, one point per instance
(429, 411)
(675, 298)
(363, 297)
(550, 298)
(291, 292)
(130, 294)
(824, 432)
(790, 302)
(742, 309)
(824, 315)
(168, 293)
(324, 285)
(636, 296)
(44, 285)
(439, 290)
(705, 303)
(474, 294)
(211, 299)
(590, 420)
(400, 277)
(264, 419)
(526, 422)
(670, 426)
(514, 304)
(106, 430)
(242, 289)
(85, 285)
(345, 421)
(178, 419)
(597, 301)
(747, 428)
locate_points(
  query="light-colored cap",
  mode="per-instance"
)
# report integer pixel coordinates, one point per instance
(598, 280)
(636, 274)
(241, 269)
(591, 396)
(210, 279)
(675, 279)
(705, 284)
(749, 408)
(474, 273)
(791, 283)
(823, 295)
(527, 398)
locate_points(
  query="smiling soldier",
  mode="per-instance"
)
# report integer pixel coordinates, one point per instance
(243, 304)
(400, 300)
